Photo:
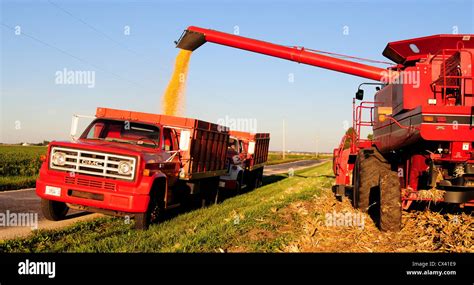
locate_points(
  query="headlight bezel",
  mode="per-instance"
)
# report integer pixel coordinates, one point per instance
(126, 164)
(56, 156)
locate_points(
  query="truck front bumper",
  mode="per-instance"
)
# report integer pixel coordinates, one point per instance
(92, 198)
(227, 184)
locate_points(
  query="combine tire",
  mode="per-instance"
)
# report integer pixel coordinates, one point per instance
(54, 210)
(390, 202)
(369, 165)
(377, 190)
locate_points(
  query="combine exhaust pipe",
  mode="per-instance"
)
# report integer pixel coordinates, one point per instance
(194, 37)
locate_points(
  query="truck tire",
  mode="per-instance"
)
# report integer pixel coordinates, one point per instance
(153, 213)
(390, 202)
(238, 183)
(54, 210)
(254, 179)
(209, 191)
(259, 178)
(370, 164)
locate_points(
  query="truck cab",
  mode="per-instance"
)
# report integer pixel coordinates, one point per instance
(246, 156)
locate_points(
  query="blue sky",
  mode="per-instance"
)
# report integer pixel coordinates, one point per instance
(132, 71)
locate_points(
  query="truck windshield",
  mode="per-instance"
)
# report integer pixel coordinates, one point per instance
(123, 132)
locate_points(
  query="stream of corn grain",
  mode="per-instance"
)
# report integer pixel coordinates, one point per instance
(172, 101)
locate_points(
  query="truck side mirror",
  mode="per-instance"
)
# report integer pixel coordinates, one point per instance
(360, 94)
(74, 125)
(184, 139)
(251, 149)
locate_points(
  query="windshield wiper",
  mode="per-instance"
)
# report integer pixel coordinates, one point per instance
(120, 141)
(129, 142)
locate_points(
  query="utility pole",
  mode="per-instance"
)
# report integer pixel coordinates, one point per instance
(283, 154)
(317, 148)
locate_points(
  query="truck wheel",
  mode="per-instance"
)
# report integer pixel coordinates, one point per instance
(209, 191)
(238, 183)
(370, 165)
(54, 210)
(390, 202)
(259, 178)
(153, 213)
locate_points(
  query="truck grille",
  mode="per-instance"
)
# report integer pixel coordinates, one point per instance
(93, 163)
(89, 183)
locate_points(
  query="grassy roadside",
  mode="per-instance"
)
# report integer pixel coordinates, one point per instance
(249, 222)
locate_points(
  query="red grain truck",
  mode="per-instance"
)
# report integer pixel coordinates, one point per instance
(129, 163)
(246, 157)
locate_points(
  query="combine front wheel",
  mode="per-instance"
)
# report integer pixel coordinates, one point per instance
(390, 202)
(369, 164)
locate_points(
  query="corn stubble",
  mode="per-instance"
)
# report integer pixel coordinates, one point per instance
(426, 230)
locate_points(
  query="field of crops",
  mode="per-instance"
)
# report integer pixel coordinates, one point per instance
(19, 166)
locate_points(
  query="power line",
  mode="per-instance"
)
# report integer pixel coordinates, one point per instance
(94, 28)
(71, 55)
(104, 34)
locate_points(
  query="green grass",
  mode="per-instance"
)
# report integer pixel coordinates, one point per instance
(247, 222)
(277, 157)
(19, 166)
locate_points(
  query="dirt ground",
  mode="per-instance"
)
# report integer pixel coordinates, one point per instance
(422, 230)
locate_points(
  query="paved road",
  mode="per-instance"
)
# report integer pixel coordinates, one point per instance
(26, 201)
(296, 165)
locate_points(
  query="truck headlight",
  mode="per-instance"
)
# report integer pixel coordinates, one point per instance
(59, 158)
(124, 167)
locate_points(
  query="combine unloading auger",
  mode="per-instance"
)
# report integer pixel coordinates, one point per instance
(194, 37)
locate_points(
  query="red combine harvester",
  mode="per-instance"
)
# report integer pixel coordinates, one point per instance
(246, 157)
(421, 116)
(133, 163)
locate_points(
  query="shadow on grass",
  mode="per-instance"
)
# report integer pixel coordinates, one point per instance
(223, 196)
(314, 176)
(273, 178)
(76, 215)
